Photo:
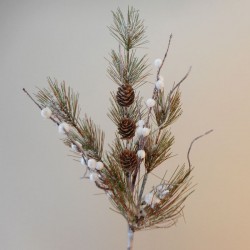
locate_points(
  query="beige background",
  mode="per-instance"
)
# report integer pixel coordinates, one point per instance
(44, 203)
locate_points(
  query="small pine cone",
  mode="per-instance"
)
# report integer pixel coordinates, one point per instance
(126, 128)
(125, 95)
(128, 160)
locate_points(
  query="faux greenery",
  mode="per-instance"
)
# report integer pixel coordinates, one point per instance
(143, 139)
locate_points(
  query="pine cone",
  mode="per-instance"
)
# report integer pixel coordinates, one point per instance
(125, 95)
(128, 160)
(126, 128)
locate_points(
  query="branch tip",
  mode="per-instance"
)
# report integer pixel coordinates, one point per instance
(191, 144)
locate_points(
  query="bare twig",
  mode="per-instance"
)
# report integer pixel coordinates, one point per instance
(164, 58)
(25, 91)
(190, 147)
(40, 107)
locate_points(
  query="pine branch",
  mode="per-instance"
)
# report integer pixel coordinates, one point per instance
(129, 157)
(169, 209)
(167, 111)
(63, 103)
(116, 112)
(130, 33)
(159, 152)
(116, 181)
(124, 69)
(93, 138)
(38, 105)
(61, 100)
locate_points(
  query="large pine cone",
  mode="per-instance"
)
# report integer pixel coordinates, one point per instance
(126, 128)
(125, 95)
(128, 160)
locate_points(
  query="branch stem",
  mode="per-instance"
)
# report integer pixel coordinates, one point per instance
(164, 58)
(130, 238)
(142, 187)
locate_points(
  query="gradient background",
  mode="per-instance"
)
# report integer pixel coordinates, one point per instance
(44, 205)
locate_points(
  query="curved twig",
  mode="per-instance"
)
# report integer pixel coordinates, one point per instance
(191, 144)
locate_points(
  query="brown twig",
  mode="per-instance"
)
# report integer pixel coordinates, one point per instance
(164, 58)
(191, 144)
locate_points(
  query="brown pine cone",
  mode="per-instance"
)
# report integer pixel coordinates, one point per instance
(128, 160)
(126, 128)
(125, 95)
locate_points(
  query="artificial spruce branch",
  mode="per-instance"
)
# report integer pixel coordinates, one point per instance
(143, 140)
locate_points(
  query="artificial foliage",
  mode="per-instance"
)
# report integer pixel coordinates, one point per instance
(143, 137)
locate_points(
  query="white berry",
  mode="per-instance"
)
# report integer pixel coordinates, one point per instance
(139, 131)
(63, 128)
(158, 62)
(46, 113)
(99, 165)
(159, 85)
(141, 154)
(92, 163)
(145, 131)
(150, 103)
